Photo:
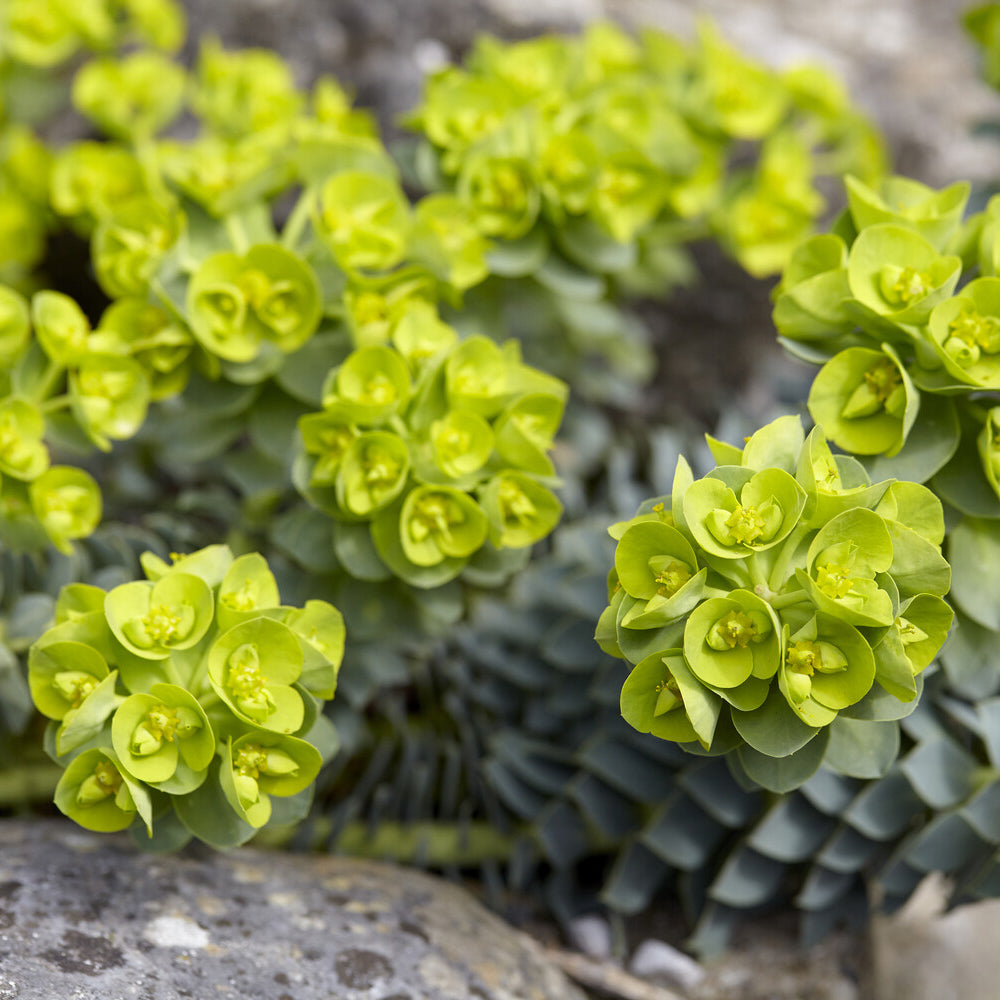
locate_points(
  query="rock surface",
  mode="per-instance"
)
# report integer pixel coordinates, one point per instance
(87, 917)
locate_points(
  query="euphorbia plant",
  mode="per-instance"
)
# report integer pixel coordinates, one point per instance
(594, 161)
(431, 451)
(899, 304)
(187, 704)
(781, 609)
(42, 41)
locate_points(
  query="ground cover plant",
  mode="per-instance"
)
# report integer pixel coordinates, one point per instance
(324, 402)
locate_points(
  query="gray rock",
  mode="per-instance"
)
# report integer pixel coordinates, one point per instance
(659, 960)
(87, 917)
(923, 953)
(591, 935)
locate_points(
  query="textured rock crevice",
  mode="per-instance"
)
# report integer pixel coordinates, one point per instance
(89, 917)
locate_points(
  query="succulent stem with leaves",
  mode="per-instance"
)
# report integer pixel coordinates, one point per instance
(183, 704)
(780, 609)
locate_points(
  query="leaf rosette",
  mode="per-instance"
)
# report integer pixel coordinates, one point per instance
(61, 327)
(843, 560)
(132, 97)
(23, 453)
(461, 443)
(91, 179)
(256, 766)
(733, 645)
(438, 523)
(372, 473)
(145, 332)
(896, 275)
(934, 215)
(128, 245)
(109, 396)
(965, 332)
(247, 589)
(95, 792)
(252, 668)
(371, 385)
(365, 219)
(152, 620)
(519, 509)
(828, 665)
(67, 503)
(62, 675)
(663, 697)
(658, 568)
(810, 301)
(237, 303)
(154, 734)
(503, 193)
(865, 401)
(732, 527)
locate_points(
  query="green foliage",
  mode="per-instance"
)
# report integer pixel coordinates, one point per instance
(620, 135)
(182, 703)
(293, 360)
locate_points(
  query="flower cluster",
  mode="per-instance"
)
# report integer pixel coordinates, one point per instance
(185, 702)
(50, 368)
(778, 601)
(605, 139)
(183, 233)
(430, 451)
(901, 306)
(38, 38)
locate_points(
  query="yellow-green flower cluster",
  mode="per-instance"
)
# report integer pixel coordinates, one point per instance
(188, 226)
(185, 702)
(900, 304)
(432, 452)
(37, 38)
(608, 136)
(773, 605)
(46, 33)
(48, 367)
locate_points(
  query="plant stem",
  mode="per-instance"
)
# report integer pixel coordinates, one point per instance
(237, 234)
(460, 844)
(298, 219)
(779, 571)
(56, 403)
(756, 573)
(786, 600)
(48, 381)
